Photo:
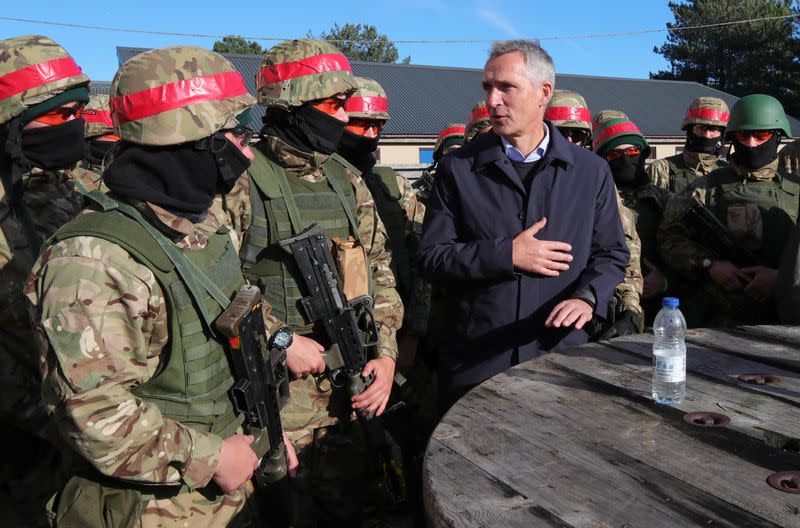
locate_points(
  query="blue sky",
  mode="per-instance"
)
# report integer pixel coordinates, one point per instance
(629, 56)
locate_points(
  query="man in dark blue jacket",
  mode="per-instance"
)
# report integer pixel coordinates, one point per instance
(522, 231)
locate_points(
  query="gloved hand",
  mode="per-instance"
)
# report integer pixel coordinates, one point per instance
(627, 323)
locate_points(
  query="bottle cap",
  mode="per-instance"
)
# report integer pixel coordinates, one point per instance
(672, 302)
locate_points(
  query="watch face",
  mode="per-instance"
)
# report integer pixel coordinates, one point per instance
(282, 338)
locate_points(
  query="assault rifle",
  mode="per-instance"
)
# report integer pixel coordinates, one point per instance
(424, 185)
(352, 339)
(261, 390)
(709, 232)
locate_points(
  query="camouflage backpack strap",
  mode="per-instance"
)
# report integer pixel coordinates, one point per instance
(388, 179)
(195, 280)
(333, 173)
(341, 159)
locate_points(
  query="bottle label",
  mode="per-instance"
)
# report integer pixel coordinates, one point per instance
(669, 369)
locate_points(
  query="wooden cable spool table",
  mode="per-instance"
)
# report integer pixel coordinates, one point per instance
(574, 439)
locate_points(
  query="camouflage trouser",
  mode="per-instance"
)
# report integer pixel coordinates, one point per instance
(197, 510)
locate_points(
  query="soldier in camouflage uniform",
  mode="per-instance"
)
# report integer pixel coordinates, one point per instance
(99, 134)
(478, 122)
(619, 141)
(294, 181)
(757, 202)
(138, 381)
(42, 93)
(704, 123)
(570, 115)
(450, 138)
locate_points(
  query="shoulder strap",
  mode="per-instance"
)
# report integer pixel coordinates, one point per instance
(388, 180)
(343, 161)
(193, 278)
(271, 179)
(334, 171)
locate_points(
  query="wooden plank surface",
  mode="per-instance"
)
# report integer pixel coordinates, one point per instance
(574, 439)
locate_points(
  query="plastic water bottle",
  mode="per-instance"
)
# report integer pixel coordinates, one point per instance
(669, 353)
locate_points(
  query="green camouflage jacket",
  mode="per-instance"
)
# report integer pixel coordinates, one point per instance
(700, 164)
(629, 290)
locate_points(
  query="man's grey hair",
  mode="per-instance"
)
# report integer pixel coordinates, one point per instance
(540, 64)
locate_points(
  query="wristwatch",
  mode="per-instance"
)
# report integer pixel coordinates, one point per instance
(281, 338)
(707, 263)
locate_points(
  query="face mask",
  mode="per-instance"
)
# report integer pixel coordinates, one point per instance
(56, 146)
(626, 170)
(703, 145)
(322, 132)
(358, 150)
(755, 158)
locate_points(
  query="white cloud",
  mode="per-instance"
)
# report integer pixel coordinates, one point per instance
(499, 21)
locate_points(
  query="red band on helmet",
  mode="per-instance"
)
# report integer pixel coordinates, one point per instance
(452, 131)
(567, 113)
(366, 104)
(479, 113)
(308, 66)
(178, 94)
(97, 116)
(37, 75)
(626, 127)
(708, 113)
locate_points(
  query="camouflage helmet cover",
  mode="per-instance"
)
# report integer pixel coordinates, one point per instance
(301, 70)
(453, 131)
(98, 117)
(568, 110)
(706, 111)
(368, 102)
(611, 128)
(478, 120)
(173, 95)
(33, 69)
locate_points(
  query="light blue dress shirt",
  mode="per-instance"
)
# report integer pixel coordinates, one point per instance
(514, 153)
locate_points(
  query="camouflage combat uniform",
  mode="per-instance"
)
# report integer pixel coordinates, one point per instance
(675, 173)
(48, 200)
(138, 383)
(759, 207)
(334, 479)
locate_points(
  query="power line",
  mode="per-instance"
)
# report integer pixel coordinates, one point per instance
(280, 39)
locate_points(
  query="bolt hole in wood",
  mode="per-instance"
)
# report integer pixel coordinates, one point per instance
(788, 481)
(759, 379)
(706, 419)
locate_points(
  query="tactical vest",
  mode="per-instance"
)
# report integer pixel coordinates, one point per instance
(382, 184)
(192, 387)
(777, 201)
(283, 206)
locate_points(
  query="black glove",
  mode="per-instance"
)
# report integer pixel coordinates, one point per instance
(627, 323)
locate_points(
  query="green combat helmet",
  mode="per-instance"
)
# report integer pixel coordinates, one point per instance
(368, 102)
(568, 110)
(453, 134)
(478, 121)
(34, 69)
(758, 112)
(706, 111)
(611, 128)
(97, 115)
(174, 95)
(301, 70)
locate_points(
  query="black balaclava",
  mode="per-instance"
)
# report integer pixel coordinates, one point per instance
(97, 150)
(304, 128)
(358, 150)
(55, 147)
(757, 157)
(695, 143)
(628, 171)
(182, 178)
